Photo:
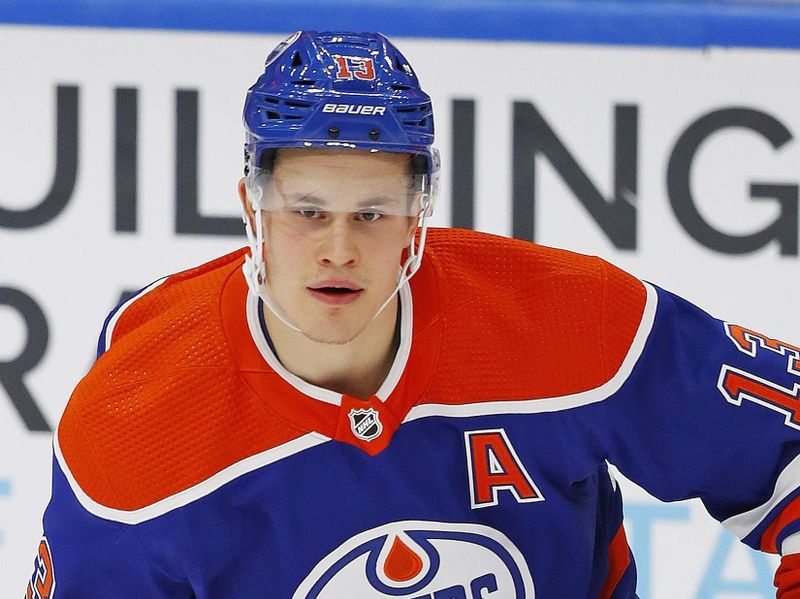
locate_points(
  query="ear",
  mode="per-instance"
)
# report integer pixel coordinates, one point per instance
(248, 210)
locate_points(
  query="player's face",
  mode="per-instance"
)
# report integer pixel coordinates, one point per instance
(333, 255)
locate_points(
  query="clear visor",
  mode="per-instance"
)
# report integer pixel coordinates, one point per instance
(364, 195)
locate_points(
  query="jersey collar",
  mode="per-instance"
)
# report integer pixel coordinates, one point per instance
(325, 413)
(255, 323)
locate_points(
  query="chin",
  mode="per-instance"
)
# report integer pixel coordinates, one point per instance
(329, 337)
(333, 333)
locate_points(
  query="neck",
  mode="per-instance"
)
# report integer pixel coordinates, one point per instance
(356, 368)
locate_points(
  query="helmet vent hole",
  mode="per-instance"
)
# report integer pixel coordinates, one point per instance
(271, 114)
(296, 60)
(294, 104)
(308, 82)
(398, 87)
(398, 63)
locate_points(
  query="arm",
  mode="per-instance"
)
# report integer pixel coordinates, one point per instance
(712, 410)
(83, 556)
(787, 578)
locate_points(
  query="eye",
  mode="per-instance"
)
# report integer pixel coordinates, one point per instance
(369, 217)
(309, 213)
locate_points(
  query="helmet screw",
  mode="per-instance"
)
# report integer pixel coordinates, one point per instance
(333, 132)
(374, 134)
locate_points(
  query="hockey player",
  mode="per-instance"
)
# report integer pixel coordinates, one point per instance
(358, 407)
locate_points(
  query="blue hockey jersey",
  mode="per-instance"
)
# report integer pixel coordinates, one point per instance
(190, 464)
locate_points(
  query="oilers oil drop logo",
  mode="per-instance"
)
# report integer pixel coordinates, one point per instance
(422, 560)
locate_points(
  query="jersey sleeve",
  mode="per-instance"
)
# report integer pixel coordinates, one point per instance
(787, 578)
(83, 556)
(710, 410)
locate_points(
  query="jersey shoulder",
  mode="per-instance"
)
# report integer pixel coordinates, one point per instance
(164, 408)
(524, 321)
(176, 299)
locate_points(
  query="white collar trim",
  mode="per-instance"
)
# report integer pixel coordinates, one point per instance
(320, 393)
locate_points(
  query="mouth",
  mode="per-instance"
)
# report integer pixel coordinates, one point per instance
(336, 293)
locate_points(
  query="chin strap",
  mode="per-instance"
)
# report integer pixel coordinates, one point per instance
(254, 268)
(414, 260)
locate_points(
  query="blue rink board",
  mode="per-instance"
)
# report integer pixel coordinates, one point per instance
(681, 23)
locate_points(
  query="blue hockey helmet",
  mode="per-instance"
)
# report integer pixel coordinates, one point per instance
(338, 90)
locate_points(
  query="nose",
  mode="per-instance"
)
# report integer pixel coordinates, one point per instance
(338, 246)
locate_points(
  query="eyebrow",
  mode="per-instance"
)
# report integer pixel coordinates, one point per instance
(369, 202)
(377, 201)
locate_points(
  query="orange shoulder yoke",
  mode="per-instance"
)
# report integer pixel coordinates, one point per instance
(164, 408)
(522, 321)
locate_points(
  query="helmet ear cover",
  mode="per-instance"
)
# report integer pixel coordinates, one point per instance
(420, 166)
(267, 160)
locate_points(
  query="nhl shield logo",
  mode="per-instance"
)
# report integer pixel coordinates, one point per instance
(365, 423)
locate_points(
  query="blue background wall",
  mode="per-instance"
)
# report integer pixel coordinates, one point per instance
(690, 23)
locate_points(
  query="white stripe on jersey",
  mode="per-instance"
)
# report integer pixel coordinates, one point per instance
(191, 494)
(745, 523)
(791, 544)
(109, 329)
(554, 404)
